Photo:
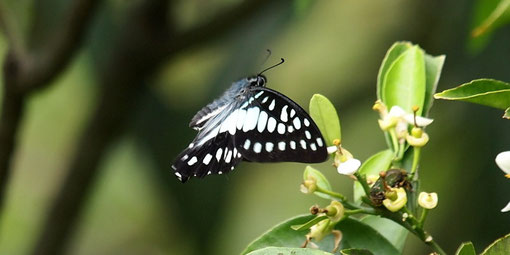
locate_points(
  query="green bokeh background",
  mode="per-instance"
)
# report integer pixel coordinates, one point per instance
(331, 47)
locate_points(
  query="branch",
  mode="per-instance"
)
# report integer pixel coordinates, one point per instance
(47, 62)
(23, 73)
(11, 32)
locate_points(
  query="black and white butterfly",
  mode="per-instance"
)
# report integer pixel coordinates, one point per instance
(253, 123)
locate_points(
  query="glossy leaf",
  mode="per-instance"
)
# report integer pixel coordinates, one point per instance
(392, 231)
(466, 249)
(309, 224)
(483, 91)
(356, 252)
(373, 166)
(404, 83)
(498, 247)
(355, 234)
(288, 251)
(322, 182)
(282, 235)
(433, 67)
(391, 55)
(324, 114)
(499, 16)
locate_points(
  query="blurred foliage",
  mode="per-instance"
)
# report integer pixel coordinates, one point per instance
(333, 48)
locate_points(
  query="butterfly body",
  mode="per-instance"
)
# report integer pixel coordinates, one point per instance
(253, 123)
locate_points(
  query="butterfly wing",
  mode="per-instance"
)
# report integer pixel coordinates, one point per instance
(277, 129)
(213, 151)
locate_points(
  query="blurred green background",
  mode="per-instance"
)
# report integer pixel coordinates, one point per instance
(332, 47)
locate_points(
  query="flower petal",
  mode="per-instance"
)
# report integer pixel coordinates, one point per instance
(349, 167)
(397, 112)
(503, 161)
(507, 208)
(420, 121)
(332, 149)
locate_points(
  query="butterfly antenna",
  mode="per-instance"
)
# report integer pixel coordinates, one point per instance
(273, 66)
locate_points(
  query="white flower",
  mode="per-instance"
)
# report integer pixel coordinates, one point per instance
(507, 208)
(349, 167)
(428, 200)
(345, 163)
(503, 161)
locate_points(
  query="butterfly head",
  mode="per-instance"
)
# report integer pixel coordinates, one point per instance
(258, 81)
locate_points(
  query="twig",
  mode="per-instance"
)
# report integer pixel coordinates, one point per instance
(24, 72)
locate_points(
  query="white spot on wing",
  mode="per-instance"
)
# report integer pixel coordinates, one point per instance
(265, 100)
(184, 157)
(257, 147)
(191, 145)
(207, 159)
(259, 94)
(247, 143)
(307, 123)
(292, 145)
(271, 124)
(292, 113)
(251, 119)
(281, 146)
(229, 124)
(192, 161)
(319, 142)
(240, 119)
(308, 135)
(297, 123)
(271, 106)
(229, 156)
(313, 147)
(283, 114)
(261, 124)
(269, 146)
(281, 128)
(303, 144)
(218, 154)
(290, 129)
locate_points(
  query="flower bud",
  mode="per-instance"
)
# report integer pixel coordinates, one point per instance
(397, 204)
(309, 186)
(428, 200)
(335, 211)
(320, 230)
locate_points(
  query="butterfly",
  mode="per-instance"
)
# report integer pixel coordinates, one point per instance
(249, 122)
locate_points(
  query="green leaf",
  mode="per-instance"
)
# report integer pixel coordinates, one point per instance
(359, 235)
(288, 251)
(322, 182)
(355, 235)
(373, 166)
(466, 249)
(355, 252)
(499, 16)
(433, 67)
(498, 247)
(404, 83)
(324, 114)
(309, 224)
(395, 233)
(483, 91)
(282, 235)
(391, 55)
(507, 113)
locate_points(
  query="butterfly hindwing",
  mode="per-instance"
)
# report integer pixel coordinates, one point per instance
(283, 131)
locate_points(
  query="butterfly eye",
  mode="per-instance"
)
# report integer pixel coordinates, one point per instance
(261, 81)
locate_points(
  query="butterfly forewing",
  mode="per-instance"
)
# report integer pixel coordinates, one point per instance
(277, 129)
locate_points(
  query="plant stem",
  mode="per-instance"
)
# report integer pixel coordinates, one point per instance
(332, 193)
(423, 216)
(363, 181)
(394, 140)
(416, 159)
